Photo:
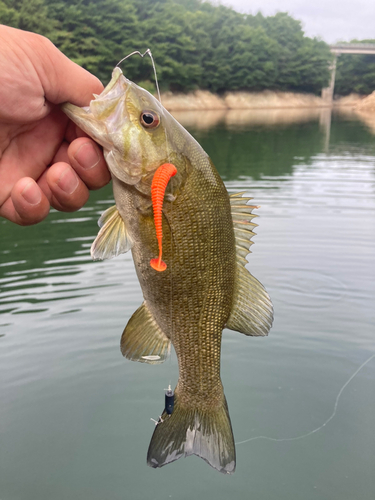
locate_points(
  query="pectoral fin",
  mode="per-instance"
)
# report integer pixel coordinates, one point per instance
(252, 310)
(143, 339)
(113, 238)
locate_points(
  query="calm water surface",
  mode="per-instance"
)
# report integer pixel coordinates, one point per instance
(75, 415)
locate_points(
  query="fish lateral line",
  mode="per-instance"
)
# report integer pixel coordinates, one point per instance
(159, 184)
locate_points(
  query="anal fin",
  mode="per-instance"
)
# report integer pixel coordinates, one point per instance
(143, 340)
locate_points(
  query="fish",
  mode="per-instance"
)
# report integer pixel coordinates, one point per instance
(199, 284)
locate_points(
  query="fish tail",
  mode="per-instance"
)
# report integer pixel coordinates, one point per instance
(187, 431)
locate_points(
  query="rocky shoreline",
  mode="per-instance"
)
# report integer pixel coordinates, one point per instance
(367, 104)
(203, 100)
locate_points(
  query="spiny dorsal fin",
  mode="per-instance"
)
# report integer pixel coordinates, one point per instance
(113, 238)
(252, 310)
(143, 339)
(243, 227)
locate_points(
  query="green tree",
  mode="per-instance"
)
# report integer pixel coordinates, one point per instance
(8, 14)
(355, 72)
(96, 34)
(195, 44)
(302, 62)
(29, 15)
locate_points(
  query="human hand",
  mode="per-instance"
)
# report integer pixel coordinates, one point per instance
(45, 160)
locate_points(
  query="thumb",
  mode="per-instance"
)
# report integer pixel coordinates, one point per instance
(62, 79)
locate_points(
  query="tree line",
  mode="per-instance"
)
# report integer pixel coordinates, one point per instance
(195, 44)
(355, 72)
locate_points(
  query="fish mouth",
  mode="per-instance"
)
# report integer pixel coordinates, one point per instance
(86, 121)
(108, 121)
(100, 118)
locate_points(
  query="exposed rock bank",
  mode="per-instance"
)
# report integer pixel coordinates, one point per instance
(367, 104)
(366, 111)
(204, 100)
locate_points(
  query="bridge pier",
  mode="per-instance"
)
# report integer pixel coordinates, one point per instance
(327, 93)
(344, 48)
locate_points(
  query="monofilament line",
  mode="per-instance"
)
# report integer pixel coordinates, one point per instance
(148, 52)
(325, 423)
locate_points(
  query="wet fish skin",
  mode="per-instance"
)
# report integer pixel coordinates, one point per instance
(202, 289)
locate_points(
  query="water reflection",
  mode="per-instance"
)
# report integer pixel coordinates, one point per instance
(366, 117)
(268, 142)
(234, 118)
(247, 117)
(325, 118)
(74, 411)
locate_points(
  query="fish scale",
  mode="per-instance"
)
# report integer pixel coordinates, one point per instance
(205, 287)
(209, 279)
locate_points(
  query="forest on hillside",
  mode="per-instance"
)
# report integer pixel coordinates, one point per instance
(195, 44)
(355, 73)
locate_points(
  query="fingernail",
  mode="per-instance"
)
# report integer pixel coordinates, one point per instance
(87, 156)
(31, 193)
(68, 181)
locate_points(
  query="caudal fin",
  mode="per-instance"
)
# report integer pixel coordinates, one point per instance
(205, 433)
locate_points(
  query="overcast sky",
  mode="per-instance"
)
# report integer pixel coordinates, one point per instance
(331, 20)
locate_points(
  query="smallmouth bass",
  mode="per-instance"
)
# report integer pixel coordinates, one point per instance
(204, 287)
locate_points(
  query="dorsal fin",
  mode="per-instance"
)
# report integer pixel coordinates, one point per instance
(243, 227)
(252, 310)
(113, 238)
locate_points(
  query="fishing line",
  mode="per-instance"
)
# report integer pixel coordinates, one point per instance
(328, 419)
(171, 262)
(148, 52)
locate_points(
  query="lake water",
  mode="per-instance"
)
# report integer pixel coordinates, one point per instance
(75, 415)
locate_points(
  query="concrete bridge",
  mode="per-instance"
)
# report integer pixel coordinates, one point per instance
(344, 48)
(353, 48)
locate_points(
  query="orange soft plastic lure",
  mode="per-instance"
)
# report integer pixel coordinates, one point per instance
(158, 186)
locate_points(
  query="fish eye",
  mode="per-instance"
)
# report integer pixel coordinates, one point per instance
(149, 119)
